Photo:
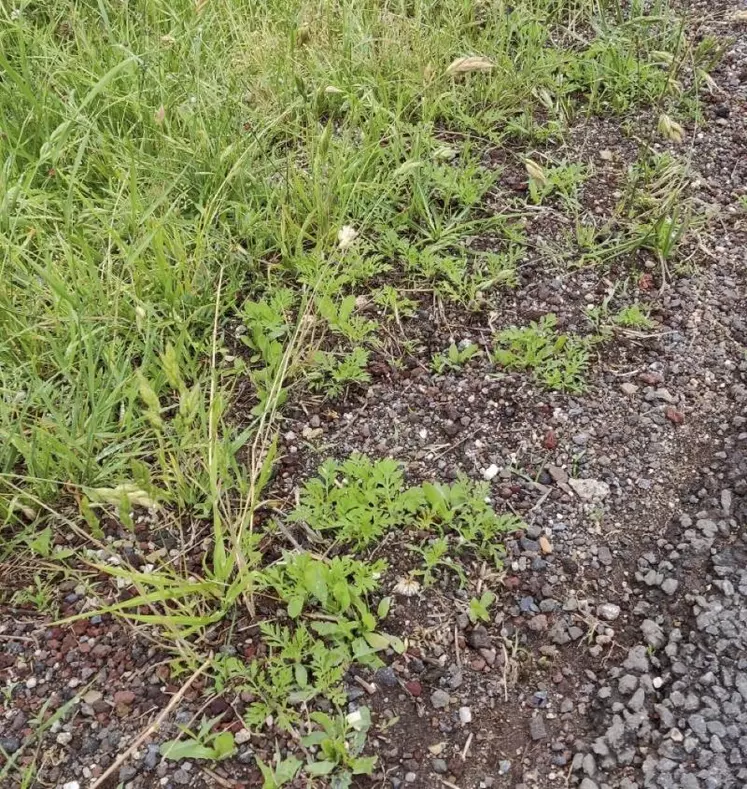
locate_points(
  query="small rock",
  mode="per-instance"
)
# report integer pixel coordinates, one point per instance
(537, 729)
(414, 688)
(465, 715)
(478, 638)
(590, 489)
(125, 697)
(440, 699)
(608, 611)
(559, 475)
(628, 388)
(92, 696)
(126, 773)
(653, 635)
(637, 659)
(605, 556)
(385, 677)
(669, 586)
(152, 757)
(410, 778)
(538, 623)
(439, 766)
(673, 415)
(491, 472)
(545, 545)
(71, 785)
(242, 736)
(63, 738)
(10, 744)
(637, 700)
(181, 777)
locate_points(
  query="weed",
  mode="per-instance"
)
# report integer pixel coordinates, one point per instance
(634, 316)
(340, 742)
(435, 553)
(393, 302)
(455, 358)
(479, 609)
(231, 182)
(558, 361)
(563, 180)
(358, 500)
(334, 372)
(204, 743)
(280, 773)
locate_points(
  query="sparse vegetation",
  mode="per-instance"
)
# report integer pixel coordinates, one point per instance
(210, 211)
(558, 361)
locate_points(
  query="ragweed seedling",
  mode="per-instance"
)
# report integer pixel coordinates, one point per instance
(479, 609)
(455, 358)
(558, 361)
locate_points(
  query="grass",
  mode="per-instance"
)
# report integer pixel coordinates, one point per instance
(197, 195)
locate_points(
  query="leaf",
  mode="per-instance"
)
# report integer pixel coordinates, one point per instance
(170, 365)
(407, 167)
(42, 543)
(224, 745)
(377, 641)
(487, 599)
(287, 769)
(186, 749)
(363, 765)
(315, 738)
(383, 609)
(295, 606)
(396, 643)
(302, 675)
(469, 64)
(315, 581)
(320, 768)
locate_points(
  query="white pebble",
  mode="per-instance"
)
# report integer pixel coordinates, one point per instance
(465, 715)
(71, 785)
(490, 472)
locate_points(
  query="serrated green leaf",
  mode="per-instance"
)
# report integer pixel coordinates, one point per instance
(287, 769)
(301, 674)
(224, 745)
(320, 768)
(315, 581)
(363, 765)
(186, 749)
(377, 641)
(295, 606)
(42, 542)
